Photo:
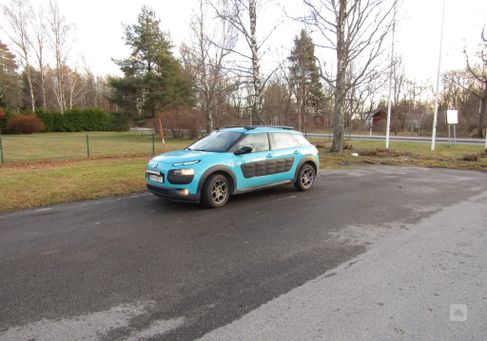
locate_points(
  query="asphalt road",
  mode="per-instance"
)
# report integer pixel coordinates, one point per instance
(426, 139)
(371, 253)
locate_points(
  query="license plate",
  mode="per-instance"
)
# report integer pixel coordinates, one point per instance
(156, 178)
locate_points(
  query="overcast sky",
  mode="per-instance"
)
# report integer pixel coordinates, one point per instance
(99, 30)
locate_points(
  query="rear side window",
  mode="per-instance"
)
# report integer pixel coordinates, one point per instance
(258, 142)
(283, 141)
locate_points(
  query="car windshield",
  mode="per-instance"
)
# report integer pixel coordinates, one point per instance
(218, 141)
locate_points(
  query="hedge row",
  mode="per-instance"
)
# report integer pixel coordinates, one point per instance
(76, 120)
(70, 121)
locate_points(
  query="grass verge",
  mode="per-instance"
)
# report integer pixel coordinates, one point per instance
(42, 185)
(466, 157)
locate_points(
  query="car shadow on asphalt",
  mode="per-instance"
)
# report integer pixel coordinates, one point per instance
(249, 198)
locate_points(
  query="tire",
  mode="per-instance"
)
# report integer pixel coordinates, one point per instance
(306, 178)
(216, 191)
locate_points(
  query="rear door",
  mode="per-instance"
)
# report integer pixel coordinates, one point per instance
(286, 154)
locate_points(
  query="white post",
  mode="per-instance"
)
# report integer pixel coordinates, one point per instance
(435, 117)
(389, 103)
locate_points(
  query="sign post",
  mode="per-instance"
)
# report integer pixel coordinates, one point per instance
(452, 120)
(161, 133)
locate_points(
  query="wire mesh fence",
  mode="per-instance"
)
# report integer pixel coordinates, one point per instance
(66, 146)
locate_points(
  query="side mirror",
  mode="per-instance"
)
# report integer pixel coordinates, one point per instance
(243, 150)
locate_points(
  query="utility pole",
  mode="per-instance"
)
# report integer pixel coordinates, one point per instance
(437, 93)
(391, 74)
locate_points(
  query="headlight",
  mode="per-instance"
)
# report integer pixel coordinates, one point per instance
(186, 163)
(184, 172)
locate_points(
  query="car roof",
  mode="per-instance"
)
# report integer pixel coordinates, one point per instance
(259, 129)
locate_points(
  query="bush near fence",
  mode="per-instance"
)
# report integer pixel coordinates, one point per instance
(25, 124)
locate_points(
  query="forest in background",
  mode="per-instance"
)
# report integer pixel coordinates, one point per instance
(216, 77)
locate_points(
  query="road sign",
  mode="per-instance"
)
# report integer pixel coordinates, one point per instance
(452, 116)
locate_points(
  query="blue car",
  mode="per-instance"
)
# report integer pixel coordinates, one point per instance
(234, 160)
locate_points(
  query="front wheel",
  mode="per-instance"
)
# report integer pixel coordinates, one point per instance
(306, 178)
(216, 191)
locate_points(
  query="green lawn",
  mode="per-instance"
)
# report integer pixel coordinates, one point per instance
(34, 184)
(59, 146)
(22, 187)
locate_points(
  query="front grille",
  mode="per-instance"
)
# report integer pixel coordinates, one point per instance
(160, 190)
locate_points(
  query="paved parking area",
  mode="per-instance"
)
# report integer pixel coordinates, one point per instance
(370, 253)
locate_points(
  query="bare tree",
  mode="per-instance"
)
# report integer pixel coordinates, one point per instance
(211, 46)
(38, 45)
(59, 36)
(17, 14)
(360, 99)
(478, 72)
(242, 15)
(355, 30)
(457, 87)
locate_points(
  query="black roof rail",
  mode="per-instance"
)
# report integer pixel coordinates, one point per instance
(250, 127)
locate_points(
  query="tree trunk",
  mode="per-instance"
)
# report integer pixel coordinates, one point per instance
(482, 113)
(256, 81)
(340, 91)
(300, 110)
(43, 88)
(31, 89)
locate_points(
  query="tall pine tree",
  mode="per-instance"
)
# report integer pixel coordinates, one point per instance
(10, 91)
(153, 80)
(304, 79)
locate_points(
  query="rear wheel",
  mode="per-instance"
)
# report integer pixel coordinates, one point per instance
(216, 191)
(306, 178)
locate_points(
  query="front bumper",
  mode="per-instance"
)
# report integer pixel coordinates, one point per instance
(173, 194)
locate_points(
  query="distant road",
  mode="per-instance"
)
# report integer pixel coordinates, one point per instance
(401, 138)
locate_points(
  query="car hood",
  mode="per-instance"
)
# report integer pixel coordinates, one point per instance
(181, 156)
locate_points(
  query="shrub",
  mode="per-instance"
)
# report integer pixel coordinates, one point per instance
(120, 121)
(471, 157)
(25, 124)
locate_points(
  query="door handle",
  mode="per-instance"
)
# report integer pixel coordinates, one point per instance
(269, 156)
(297, 152)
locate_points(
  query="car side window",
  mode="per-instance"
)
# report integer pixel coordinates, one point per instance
(283, 141)
(258, 142)
(301, 139)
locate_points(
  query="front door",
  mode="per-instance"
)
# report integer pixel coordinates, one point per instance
(252, 168)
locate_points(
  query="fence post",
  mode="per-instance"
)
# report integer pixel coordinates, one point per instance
(1, 151)
(88, 146)
(153, 144)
